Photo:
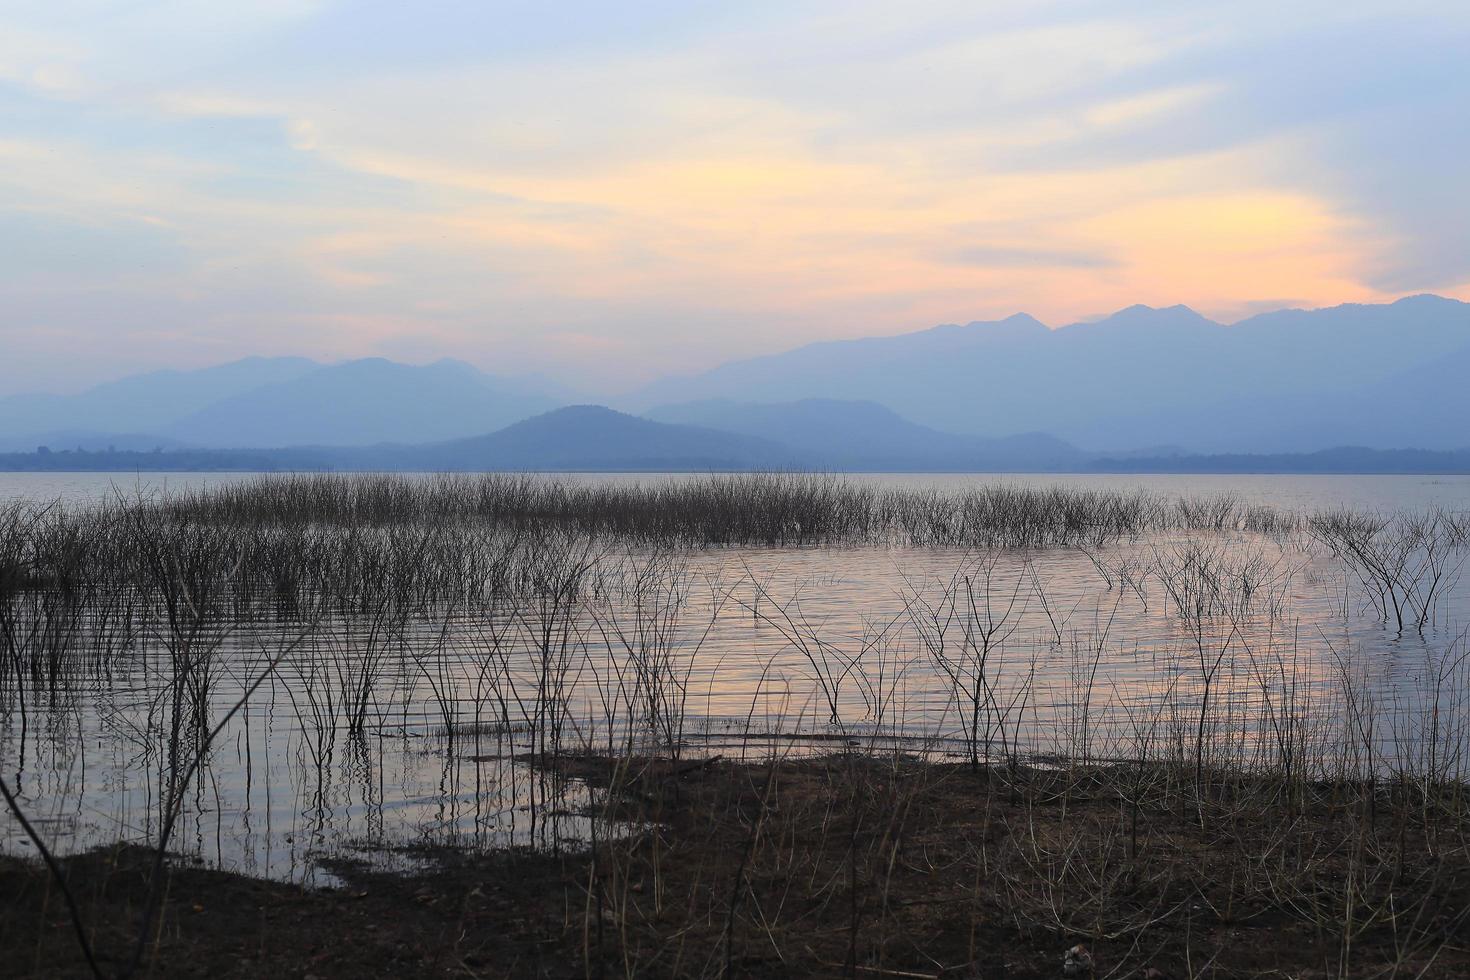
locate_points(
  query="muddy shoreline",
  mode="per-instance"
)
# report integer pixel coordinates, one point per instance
(846, 865)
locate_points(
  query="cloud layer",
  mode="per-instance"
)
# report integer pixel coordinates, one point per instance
(606, 192)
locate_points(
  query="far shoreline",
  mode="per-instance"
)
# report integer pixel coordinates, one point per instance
(69, 462)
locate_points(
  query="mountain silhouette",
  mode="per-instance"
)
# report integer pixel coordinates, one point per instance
(1005, 394)
(591, 437)
(863, 435)
(595, 438)
(1141, 376)
(278, 402)
(364, 402)
(141, 406)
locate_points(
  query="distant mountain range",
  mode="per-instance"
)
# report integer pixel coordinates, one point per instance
(594, 438)
(138, 408)
(1383, 376)
(590, 437)
(863, 435)
(1142, 390)
(277, 402)
(579, 437)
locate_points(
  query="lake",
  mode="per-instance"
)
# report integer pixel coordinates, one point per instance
(368, 725)
(1369, 492)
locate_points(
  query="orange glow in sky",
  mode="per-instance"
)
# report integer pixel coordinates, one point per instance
(607, 196)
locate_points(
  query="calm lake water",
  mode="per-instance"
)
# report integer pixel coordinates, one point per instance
(1370, 492)
(1085, 654)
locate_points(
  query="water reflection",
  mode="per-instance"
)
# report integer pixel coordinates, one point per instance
(363, 732)
(393, 701)
(1380, 492)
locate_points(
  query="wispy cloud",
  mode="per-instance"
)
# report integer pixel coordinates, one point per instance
(1021, 256)
(606, 192)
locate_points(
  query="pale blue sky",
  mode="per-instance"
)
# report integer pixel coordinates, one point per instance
(605, 192)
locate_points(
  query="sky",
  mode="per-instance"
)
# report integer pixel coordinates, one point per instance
(605, 193)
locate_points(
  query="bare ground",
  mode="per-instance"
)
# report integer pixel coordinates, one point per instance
(841, 866)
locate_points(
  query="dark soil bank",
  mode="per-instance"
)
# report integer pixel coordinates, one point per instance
(844, 866)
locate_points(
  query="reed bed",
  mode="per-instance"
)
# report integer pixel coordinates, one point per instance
(752, 509)
(948, 804)
(447, 534)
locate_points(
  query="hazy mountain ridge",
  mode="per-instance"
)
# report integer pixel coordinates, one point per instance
(277, 402)
(857, 435)
(1141, 376)
(579, 437)
(947, 398)
(364, 402)
(141, 405)
(728, 436)
(591, 437)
